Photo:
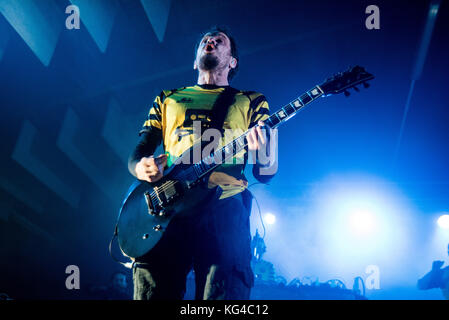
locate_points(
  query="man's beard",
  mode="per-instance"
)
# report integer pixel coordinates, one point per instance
(208, 62)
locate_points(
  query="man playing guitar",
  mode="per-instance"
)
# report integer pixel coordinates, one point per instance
(216, 241)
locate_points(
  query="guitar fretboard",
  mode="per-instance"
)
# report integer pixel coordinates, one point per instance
(232, 148)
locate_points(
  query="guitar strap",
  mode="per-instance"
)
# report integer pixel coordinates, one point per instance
(218, 114)
(221, 107)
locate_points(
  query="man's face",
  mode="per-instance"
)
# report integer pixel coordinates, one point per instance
(214, 52)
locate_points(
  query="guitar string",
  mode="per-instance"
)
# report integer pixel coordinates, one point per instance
(171, 183)
(164, 188)
(246, 133)
(239, 147)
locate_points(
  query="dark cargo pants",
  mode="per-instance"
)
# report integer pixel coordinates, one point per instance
(215, 242)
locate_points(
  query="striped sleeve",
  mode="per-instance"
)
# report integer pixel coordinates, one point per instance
(154, 119)
(259, 109)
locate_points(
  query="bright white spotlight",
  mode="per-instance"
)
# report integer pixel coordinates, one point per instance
(270, 218)
(362, 222)
(443, 221)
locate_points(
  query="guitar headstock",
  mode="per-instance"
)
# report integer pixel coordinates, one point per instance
(342, 81)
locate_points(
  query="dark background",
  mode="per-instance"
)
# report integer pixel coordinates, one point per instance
(70, 117)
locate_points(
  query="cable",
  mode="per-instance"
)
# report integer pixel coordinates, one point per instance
(128, 265)
(258, 207)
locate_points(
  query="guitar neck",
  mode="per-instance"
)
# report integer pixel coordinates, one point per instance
(218, 157)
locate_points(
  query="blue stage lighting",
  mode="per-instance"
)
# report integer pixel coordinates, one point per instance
(443, 221)
(157, 12)
(37, 22)
(362, 222)
(98, 17)
(269, 218)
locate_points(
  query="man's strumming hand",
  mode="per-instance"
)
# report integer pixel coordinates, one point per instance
(151, 169)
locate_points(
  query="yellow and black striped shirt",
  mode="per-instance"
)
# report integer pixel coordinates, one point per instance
(173, 116)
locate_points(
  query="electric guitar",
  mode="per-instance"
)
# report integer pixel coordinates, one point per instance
(149, 207)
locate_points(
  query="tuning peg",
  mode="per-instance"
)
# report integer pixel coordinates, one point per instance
(347, 94)
(366, 85)
(356, 89)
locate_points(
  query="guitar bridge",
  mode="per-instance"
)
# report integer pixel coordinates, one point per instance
(147, 196)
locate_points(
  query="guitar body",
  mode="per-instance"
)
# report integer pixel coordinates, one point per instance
(149, 207)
